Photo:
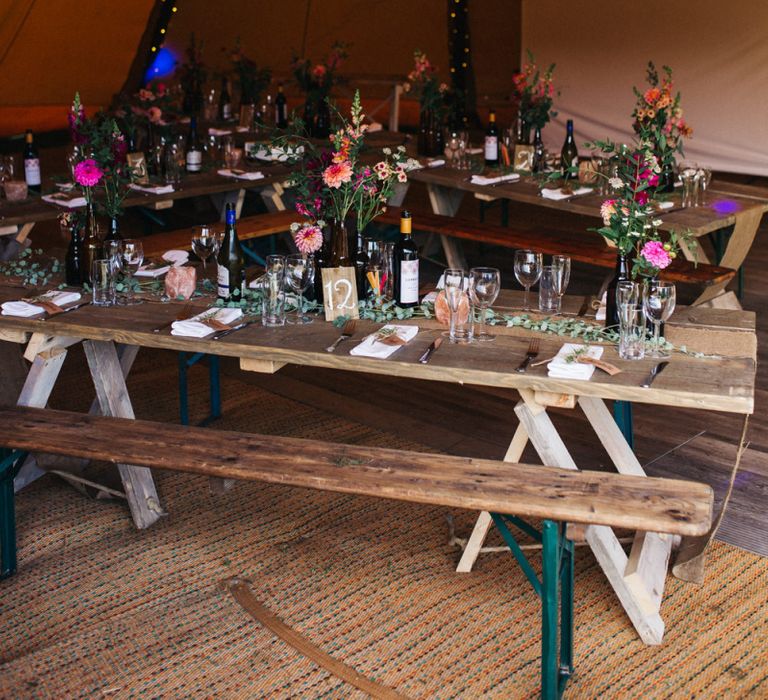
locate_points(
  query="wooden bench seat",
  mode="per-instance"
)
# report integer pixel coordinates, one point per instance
(508, 490)
(563, 235)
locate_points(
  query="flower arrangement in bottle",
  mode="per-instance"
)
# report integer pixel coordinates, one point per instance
(423, 81)
(251, 79)
(534, 94)
(317, 80)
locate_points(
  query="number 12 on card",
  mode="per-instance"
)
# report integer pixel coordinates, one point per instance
(339, 292)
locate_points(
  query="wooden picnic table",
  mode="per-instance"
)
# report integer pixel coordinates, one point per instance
(726, 205)
(724, 383)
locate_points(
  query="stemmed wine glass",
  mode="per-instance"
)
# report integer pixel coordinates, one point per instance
(205, 244)
(132, 253)
(705, 177)
(484, 287)
(527, 270)
(563, 265)
(658, 303)
(300, 274)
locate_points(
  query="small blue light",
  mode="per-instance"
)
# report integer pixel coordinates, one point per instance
(726, 206)
(163, 65)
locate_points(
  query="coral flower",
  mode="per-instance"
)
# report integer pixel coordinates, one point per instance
(319, 71)
(652, 95)
(154, 114)
(337, 174)
(607, 210)
(654, 253)
(88, 173)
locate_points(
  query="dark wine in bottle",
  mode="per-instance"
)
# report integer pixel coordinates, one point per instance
(194, 148)
(31, 163)
(569, 156)
(361, 261)
(281, 109)
(73, 262)
(492, 142)
(230, 263)
(621, 274)
(406, 265)
(538, 153)
(225, 101)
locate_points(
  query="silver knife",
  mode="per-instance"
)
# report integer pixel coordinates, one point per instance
(657, 370)
(436, 343)
(67, 310)
(221, 334)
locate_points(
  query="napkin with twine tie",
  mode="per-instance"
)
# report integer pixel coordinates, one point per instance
(241, 174)
(152, 189)
(206, 322)
(386, 341)
(561, 368)
(482, 180)
(558, 193)
(29, 308)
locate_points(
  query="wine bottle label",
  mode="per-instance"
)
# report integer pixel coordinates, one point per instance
(409, 282)
(491, 147)
(194, 161)
(222, 279)
(32, 171)
(226, 111)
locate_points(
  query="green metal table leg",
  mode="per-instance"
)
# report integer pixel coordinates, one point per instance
(566, 611)
(622, 414)
(214, 386)
(549, 609)
(10, 463)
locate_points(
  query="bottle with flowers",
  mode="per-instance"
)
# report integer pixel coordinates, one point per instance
(534, 93)
(657, 119)
(251, 79)
(192, 75)
(423, 82)
(630, 220)
(316, 82)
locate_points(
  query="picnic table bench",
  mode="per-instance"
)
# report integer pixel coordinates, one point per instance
(509, 491)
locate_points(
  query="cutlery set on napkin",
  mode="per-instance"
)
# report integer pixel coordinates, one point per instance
(50, 303)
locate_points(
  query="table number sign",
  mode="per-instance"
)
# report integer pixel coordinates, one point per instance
(339, 292)
(138, 166)
(523, 157)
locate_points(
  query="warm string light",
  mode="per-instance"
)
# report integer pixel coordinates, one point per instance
(459, 49)
(166, 12)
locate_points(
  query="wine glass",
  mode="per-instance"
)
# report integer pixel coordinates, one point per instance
(705, 177)
(113, 253)
(484, 287)
(205, 244)
(563, 264)
(300, 274)
(453, 286)
(463, 162)
(527, 271)
(132, 254)
(452, 147)
(658, 303)
(688, 172)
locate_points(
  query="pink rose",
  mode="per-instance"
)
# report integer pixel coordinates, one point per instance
(654, 253)
(337, 174)
(88, 173)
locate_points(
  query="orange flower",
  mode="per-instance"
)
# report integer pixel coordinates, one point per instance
(652, 95)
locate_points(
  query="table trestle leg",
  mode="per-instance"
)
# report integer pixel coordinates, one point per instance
(555, 589)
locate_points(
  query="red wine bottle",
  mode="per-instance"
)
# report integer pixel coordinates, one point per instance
(406, 265)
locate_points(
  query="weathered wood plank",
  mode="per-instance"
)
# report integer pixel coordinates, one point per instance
(530, 490)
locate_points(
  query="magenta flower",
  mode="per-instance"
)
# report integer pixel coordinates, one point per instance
(655, 254)
(88, 173)
(308, 239)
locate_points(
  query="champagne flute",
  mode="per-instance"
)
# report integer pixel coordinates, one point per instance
(658, 303)
(484, 287)
(132, 254)
(527, 271)
(300, 274)
(563, 265)
(205, 244)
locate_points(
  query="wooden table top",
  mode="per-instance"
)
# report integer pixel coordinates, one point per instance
(723, 204)
(725, 383)
(34, 209)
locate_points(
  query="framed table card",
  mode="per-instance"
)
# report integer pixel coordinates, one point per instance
(339, 292)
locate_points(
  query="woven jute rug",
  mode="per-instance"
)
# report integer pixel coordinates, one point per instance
(100, 610)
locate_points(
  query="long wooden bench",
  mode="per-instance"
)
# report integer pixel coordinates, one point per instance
(563, 235)
(509, 491)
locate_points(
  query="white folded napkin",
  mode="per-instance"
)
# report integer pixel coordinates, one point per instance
(373, 127)
(25, 308)
(665, 205)
(371, 347)
(481, 180)
(219, 132)
(241, 129)
(242, 174)
(435, 162)
(559, 194)
(64, 200)
(560, 369)
(152, 189)
(65, 186)
(177, 258)
(192, 328)
(151, 271)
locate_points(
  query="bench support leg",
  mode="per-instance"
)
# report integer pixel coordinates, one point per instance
(555, 589)
(10, 463)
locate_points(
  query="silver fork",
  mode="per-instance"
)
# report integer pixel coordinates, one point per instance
(347, 331)
(533, 351)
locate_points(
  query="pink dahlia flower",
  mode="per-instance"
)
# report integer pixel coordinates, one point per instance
(88, 173)
(308, 239)
(654, 253)
(337, 174)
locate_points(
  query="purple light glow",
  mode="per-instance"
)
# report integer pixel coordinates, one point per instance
(726, 206)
